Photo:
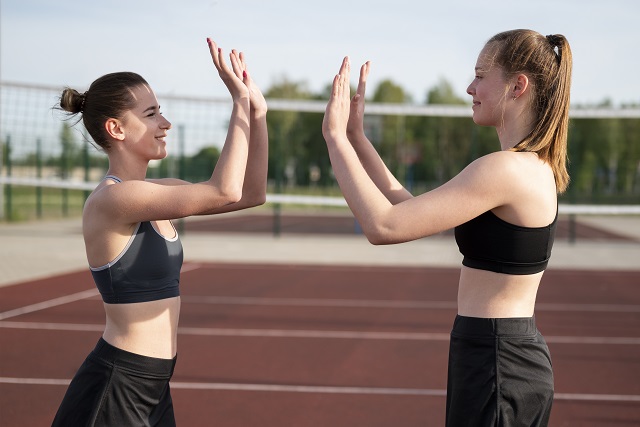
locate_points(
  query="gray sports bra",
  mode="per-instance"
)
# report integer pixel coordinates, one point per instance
(147, 269)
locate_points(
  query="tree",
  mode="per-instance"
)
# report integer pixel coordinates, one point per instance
(284, 133)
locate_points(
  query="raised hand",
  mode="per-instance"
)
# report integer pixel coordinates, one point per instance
(258, 103)
(336, 114)
(355, 125)
(231, 79)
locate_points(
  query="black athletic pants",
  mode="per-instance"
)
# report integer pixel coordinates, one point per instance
(114, 387)
(499, 374)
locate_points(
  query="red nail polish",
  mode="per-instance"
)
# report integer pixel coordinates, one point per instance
(244, 74)
(219, 49)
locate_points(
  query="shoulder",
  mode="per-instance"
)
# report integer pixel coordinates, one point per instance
(506, 176)
(509, 166)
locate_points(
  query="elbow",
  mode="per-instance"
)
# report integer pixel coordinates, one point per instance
(251, 201)
(378, 236)
(260, 200)
(231, 195)
(378, 240)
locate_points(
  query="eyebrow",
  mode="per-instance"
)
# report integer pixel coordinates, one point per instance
(152, 108)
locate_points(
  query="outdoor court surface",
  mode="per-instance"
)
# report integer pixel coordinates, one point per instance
(311, 345)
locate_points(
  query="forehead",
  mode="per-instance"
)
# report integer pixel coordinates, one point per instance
(486, 58)
(144, 96)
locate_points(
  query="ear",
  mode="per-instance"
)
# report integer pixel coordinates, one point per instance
(521, 85)
(114, 129)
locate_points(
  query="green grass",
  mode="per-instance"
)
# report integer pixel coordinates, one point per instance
(26, 205)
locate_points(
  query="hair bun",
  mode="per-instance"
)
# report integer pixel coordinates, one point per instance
(72, 101)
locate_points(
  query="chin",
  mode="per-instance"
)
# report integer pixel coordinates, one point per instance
(481, 122)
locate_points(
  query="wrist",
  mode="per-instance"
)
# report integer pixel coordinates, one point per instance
(357, 137)
(242, 101)
(258, 113)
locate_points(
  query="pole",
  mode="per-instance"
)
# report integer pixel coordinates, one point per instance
(9, 207)
(39, 175)
(2, 186)
(181, 167)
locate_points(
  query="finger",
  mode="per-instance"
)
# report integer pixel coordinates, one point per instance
(242, 60)
(215, 53)
(362, 82)
(344, 67)
(342, 75)
(235, 63)
(223, 67)
(335, 86)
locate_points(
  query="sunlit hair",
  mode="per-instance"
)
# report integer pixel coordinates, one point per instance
(108, 97)
(547, 62)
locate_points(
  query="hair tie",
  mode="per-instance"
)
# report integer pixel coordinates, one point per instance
(84, 99)
(553, 40)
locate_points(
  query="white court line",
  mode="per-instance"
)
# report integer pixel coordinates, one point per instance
(292, 333)
(592, 340)
(68, 298)
(317, 302)
(359, 303)
(48, 304)
(189, 267)
(326, 389)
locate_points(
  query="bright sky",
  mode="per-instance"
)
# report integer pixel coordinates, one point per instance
(414, 43)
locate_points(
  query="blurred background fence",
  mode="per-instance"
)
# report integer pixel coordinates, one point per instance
(48, 165)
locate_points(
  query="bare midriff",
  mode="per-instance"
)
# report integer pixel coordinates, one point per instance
(146, 328)
(487, 294)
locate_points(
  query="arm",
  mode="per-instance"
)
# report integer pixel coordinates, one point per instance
(134, 201)
(483, 185)
(369, 157)
(254, 189)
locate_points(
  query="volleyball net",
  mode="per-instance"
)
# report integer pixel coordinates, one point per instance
(48, 167)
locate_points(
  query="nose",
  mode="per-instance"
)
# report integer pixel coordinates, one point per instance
(166, 124)
(471, 89)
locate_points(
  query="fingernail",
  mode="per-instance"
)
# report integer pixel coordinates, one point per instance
(219, 49)
(208, 40)
(244, 74)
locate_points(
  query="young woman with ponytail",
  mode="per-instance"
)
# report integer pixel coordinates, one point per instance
(504, 209)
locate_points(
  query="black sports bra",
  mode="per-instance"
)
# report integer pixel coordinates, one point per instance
(147, 269)
(490, 243)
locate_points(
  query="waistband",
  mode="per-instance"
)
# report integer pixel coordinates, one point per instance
(487, 327)
(111, 355)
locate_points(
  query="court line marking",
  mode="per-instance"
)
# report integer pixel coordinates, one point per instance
(360, 303)
(316, 302)
(187, 266)
(49, 303)
(89, 293)
(292, 333)
(325, 389)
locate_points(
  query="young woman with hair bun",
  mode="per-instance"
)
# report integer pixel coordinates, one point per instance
(134, 251)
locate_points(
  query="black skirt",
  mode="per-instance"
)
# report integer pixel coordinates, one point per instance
(499, 374)
(114, 387)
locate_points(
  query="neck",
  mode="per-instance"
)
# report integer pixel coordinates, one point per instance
(514, 129)
(127, 169)
(509, 138)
